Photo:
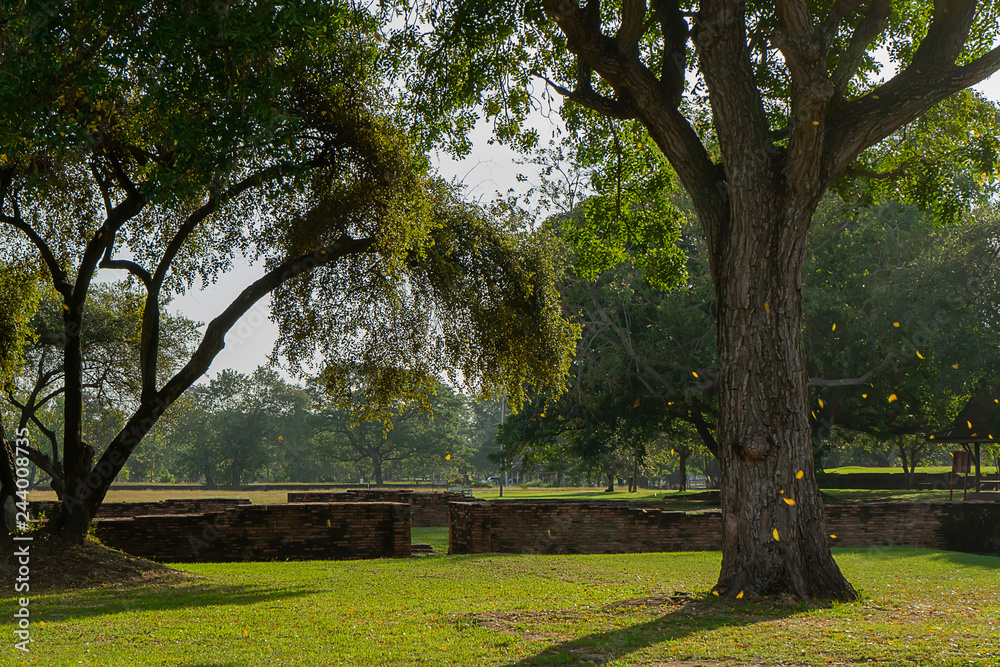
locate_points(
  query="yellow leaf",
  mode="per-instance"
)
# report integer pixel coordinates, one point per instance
(864, 395)
(892, 397)
(739, 595)
(815, 122)
(954, 365)
(969, 423)
(636, 404)
(920, 355)
(766, 306)
(775, 534)
(448, 458)
(782, 492)
(813, 414)
(833, 537)
(834, 327)
(281, 437)
(895, 324)
(694, 374)
(788, 501)
(715, 593)
(245, 633)
(821, 403)
(800, 474)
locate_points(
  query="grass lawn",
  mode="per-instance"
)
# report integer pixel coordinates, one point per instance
(894, 470)
(675, 500)
(919, 607)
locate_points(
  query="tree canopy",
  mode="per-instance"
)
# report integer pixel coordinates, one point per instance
(165, 143)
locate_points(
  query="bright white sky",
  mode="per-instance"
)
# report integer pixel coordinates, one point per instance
(489, 169)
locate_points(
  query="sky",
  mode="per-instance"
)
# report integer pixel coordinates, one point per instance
(488, 169)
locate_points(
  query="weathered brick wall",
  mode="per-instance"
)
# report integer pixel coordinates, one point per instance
(567, 527)
(300, 531)
(574, 527)
(429, 508)
(40, 508)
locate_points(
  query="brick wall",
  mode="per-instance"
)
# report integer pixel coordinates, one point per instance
(40, 508)
(301, 531)
(569, 527)
(573, 527)
(429, 508)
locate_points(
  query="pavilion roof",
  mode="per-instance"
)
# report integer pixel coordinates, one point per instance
(979, 420)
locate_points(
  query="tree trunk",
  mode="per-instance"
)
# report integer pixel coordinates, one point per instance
(377, 462)
(611, 482)
(8, 486)
(774, 541)
(682, 468)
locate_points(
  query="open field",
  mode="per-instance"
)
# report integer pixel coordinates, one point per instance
(896, 470)
(691, 500)
(919, 607)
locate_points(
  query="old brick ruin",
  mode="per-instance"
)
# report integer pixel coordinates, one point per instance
(566, 527)
(301, 531)
(430, 508)
(229, 529)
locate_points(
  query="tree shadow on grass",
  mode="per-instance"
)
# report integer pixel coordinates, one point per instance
(82, 604)
(685, 618)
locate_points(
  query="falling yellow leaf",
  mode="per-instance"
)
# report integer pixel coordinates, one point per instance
(766, 306)
(833, 537)
(715, 593)
(834, 327)
(920, 355)
(281, 437)
(892, 397)
(931, 437)
(636, 404)
(821, 403)
(65, 307)
(864, 395)
(895, 324)
(788, 501)
(969, 424)
(694, 374)
(991, 436)
(800, 474)
(815, 122)
(775, 534)
(954, 365)
(782, 492)
(813, 413)
(739, 595)
(448, 458)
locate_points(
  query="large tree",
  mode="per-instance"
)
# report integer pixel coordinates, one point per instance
(163, 142)
(760, 107)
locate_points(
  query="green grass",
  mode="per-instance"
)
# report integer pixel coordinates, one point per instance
(919, 607)
(436, 537)
(895, 470)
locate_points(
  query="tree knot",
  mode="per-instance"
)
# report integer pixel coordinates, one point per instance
(755, 445)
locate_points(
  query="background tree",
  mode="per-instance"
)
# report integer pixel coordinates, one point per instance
(419, 438)
(760, 108)
(110, 351)
(19, 295)
(260, 137)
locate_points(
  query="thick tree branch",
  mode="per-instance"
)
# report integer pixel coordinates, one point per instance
(872, 24)
(632, 81)
(213, 341)
(847, 382)
(59, 278)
